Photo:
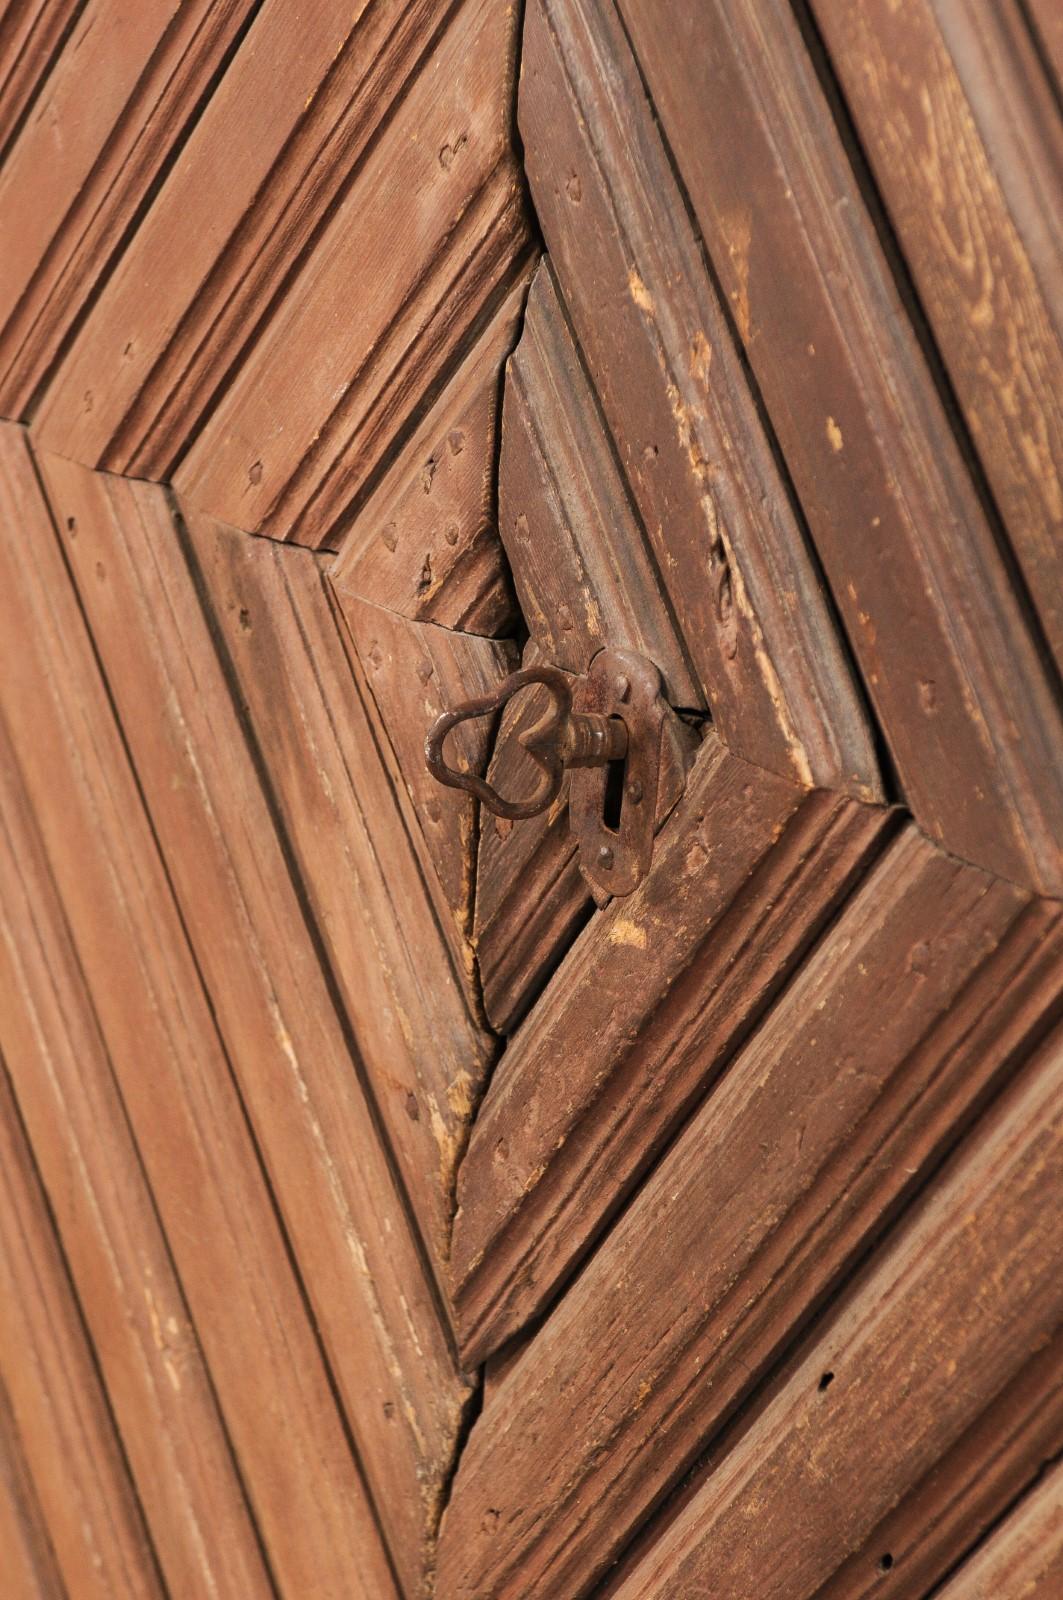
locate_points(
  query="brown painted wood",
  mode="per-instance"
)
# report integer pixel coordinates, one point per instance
(921, 997)
(961, 694)
(965, 140)
(309, 1503)
(30, 32)
(58, 1405)
(422, 1048)
(731, 553)
(306, 1100)
(425, 544)
(930, 1334)
(112, 112)
(640, 1017)
(30, 1570)
(1046, 25)
(1024, 1556)
(134, 1310)
(432, 231)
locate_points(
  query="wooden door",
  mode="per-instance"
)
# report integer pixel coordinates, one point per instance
(384, 1214)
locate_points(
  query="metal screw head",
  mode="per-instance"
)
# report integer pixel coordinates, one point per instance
(634, 791)
(605, 857)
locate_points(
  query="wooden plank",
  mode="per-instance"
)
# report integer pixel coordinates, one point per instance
(641, 1016)
(30, 1571)
(95, 1525)
(433, 232)
(728, 544)
(931, 1332)
(415, 671)
(961, 693)
(291, 1054)
(404, 989)
(132, 1302)
(309, 1504)
(964, 136)
(584, 574)
(1046, 24)
(425, 543)
(1024, 1556)
(114, 108)
(30, 32)
(531, 898)
(883, 1043)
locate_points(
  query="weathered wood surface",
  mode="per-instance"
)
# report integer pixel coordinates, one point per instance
(965, 139)
(1024, 1557)
(929, 1334)
(109, 116)
(290, 1051)
(30, 1571)
(641, 1015)
(30, 33)
(311, 1515)
(57, 1402)
(425, 543)
(730, 550)
(962, 696)
(923, 994)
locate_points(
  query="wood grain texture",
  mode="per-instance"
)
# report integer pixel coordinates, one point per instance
(1046, 25)
(403, 983)
(30, 1570)
(117, 103)
(30, 32)
(933, 1330)
(730, 551)
(1024, 1556)
(923, 994)
(583, 572)
(965, 139)
(425, 543)
(311, 1513)
(57, 1402)
(961, 693)
(133, 1305)
(432, 231)
(638, 1020)
(275, 1004)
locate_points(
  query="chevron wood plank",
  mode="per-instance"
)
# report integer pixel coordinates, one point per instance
(731, 554)
(1024, 1556)
(434, 233)
(310, 1508)
(942, 975)
(410, 1009)
(425, 543)
(132, 1303)
(115, 106)
(925, 1340)
(964, 136)
(30, 33)
(962, 695)
(639, 1018)
(94, 1523)
(290, 1048)
(30, 1571)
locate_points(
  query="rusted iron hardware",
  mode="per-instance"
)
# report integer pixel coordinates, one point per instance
(622, 743)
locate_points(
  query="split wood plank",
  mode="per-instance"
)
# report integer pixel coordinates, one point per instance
(275, 1004)
(937, 1325)
(428, 239)
(967, 1491)
(640, 1017)
(961, 693)
(1024, 1557)
(312, 1516)
(425, 543)
(402, 986)
(584, 574)
(71, 1450)
(30, 32)
(117, 104)
(29, 1565)
(149, 1354)
(964, 136)
(918, 1001)
(416, 671)
(728, 544)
